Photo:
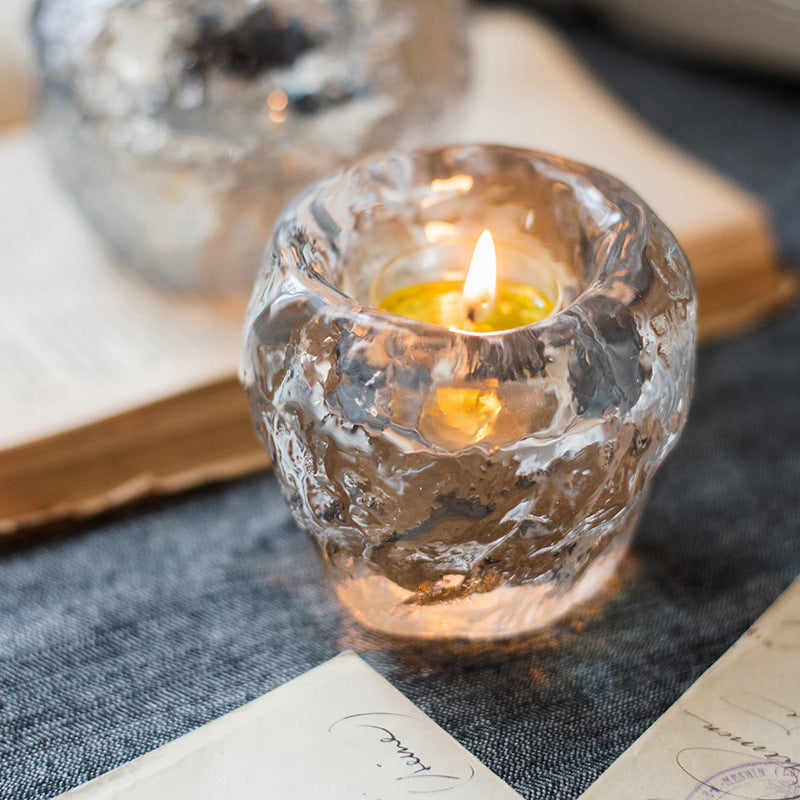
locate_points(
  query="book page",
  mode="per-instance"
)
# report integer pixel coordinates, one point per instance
(338, 732)
(79, 339)
(734, 734)
(16, 62)
(529, 89)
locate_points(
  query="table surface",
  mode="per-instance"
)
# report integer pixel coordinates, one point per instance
(133, 631)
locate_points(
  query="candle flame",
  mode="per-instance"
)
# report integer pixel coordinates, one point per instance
(480, 288)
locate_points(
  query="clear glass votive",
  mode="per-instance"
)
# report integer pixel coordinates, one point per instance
(462, 484)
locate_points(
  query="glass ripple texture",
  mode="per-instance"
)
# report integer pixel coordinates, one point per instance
(429, 526)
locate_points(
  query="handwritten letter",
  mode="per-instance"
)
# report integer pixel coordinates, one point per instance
(734, 734)
(340, 732)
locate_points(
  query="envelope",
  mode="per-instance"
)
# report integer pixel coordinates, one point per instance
(339, 732)
(736, 731)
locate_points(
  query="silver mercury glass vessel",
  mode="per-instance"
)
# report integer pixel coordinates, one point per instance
(183, 127)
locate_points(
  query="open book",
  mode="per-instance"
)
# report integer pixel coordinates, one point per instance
(110, 390)
(16, 58)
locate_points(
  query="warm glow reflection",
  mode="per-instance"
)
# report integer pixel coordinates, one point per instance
(480, 287)
(461, 415)
(436, 231)
(277, 103)
(458, 183)
(277, 100)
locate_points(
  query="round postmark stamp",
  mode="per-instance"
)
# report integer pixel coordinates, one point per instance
(754, 780)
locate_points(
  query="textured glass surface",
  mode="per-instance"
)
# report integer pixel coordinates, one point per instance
(183, 127)
(463, 484)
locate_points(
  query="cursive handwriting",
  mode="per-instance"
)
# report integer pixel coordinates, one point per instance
(785, 636)
(392, 734)
(762, 707)
(407, 756)
(763, 752)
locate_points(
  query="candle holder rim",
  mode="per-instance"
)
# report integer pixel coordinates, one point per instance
(340, 302)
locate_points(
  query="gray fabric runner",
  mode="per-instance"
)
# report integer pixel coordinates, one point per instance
(131, 632)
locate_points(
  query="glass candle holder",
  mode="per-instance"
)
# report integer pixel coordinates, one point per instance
(457, 483)
(182, 129)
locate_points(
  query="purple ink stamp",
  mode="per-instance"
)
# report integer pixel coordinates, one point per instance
(757, 780)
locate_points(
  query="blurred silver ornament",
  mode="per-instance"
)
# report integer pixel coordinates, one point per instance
(183, 127)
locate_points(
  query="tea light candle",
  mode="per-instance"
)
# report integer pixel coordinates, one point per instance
(480, 304)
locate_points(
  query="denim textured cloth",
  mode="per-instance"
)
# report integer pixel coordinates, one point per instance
(133, 631)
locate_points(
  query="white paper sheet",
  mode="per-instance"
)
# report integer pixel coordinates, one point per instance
(734, 734)
(79, 339)
(339, 732)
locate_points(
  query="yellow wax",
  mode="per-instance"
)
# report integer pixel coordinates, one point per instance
(439, 302)
(457, 416)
